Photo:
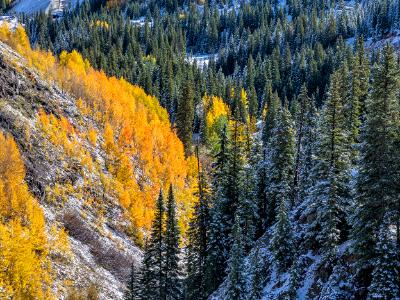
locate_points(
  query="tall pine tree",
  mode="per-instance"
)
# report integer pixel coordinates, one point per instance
(280, 164)
(185, 113)
(134, 287)
(329, 198)
(282, 242)
(236, 289)
(153, 261)
(173, 288)
(377, 185)
(198, 236)
(385, 276)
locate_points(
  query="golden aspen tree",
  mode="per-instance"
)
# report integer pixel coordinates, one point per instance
(26, 271)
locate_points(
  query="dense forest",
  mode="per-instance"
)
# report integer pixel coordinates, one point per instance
(253, 146)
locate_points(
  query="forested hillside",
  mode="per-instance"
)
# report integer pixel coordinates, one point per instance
(204, 149)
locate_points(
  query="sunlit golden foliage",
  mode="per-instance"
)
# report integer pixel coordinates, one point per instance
(142, 152)
(100, 24)
(24, 264)
(216, 117)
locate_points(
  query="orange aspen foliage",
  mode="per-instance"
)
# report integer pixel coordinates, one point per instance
(142, 153)
(24, 263)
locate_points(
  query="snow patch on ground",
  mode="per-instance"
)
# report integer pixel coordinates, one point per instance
(53, 6)
(201, 60)
(374, 43)
(11, 21)
(140, 22)
(309, 277)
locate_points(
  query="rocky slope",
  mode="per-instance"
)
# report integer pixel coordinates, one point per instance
(102, 253)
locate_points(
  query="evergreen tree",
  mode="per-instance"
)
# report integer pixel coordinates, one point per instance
(339, 284)
(377, 185)
(153, 261)
(279, 164)
(146, 280)
(272, 107)
(355, 106)
(256, 273)
(235, 172)
(361, 76)
(307, 151)
(252, 99)
(330, 195)
(185, 113)
(236, 289)
(134, 286)
(217, 250)
(229, 193)
(305, 124)
(173, 289)
(385, 275)
(247, 207)
(282, 242)
(198, 235)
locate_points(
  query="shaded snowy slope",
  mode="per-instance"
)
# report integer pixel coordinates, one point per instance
(34, 6)
(31, 6)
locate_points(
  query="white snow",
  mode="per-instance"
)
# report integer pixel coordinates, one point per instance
(53, 6)
(201, 59)
(309, 277)
(10, 20)
(140, 22)
(393, 38)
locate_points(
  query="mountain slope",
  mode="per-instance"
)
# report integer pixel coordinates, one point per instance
(95, 246)
(34, 6)
(79, 176)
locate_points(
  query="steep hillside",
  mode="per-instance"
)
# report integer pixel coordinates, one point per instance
(78, 167)
(101, 251)
(248, 148)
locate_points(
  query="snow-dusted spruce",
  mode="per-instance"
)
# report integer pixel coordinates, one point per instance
(329, 198)
(279, 164)
(247, 208)
(134, 286)
(282, 243)
(355, 106)
(385, 276)
(198, 241)
(256, 277)
(378, 178)
(305, 121)
(272, 104)
(153, 280)
(160, 274)
(173, 286)
(236, 288)
(235, 189)
(217, 249)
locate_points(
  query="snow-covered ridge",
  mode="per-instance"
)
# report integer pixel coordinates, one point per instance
(55, 7)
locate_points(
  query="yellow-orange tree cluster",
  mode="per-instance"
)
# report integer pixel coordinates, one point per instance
(142, 153)
(25, 271)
